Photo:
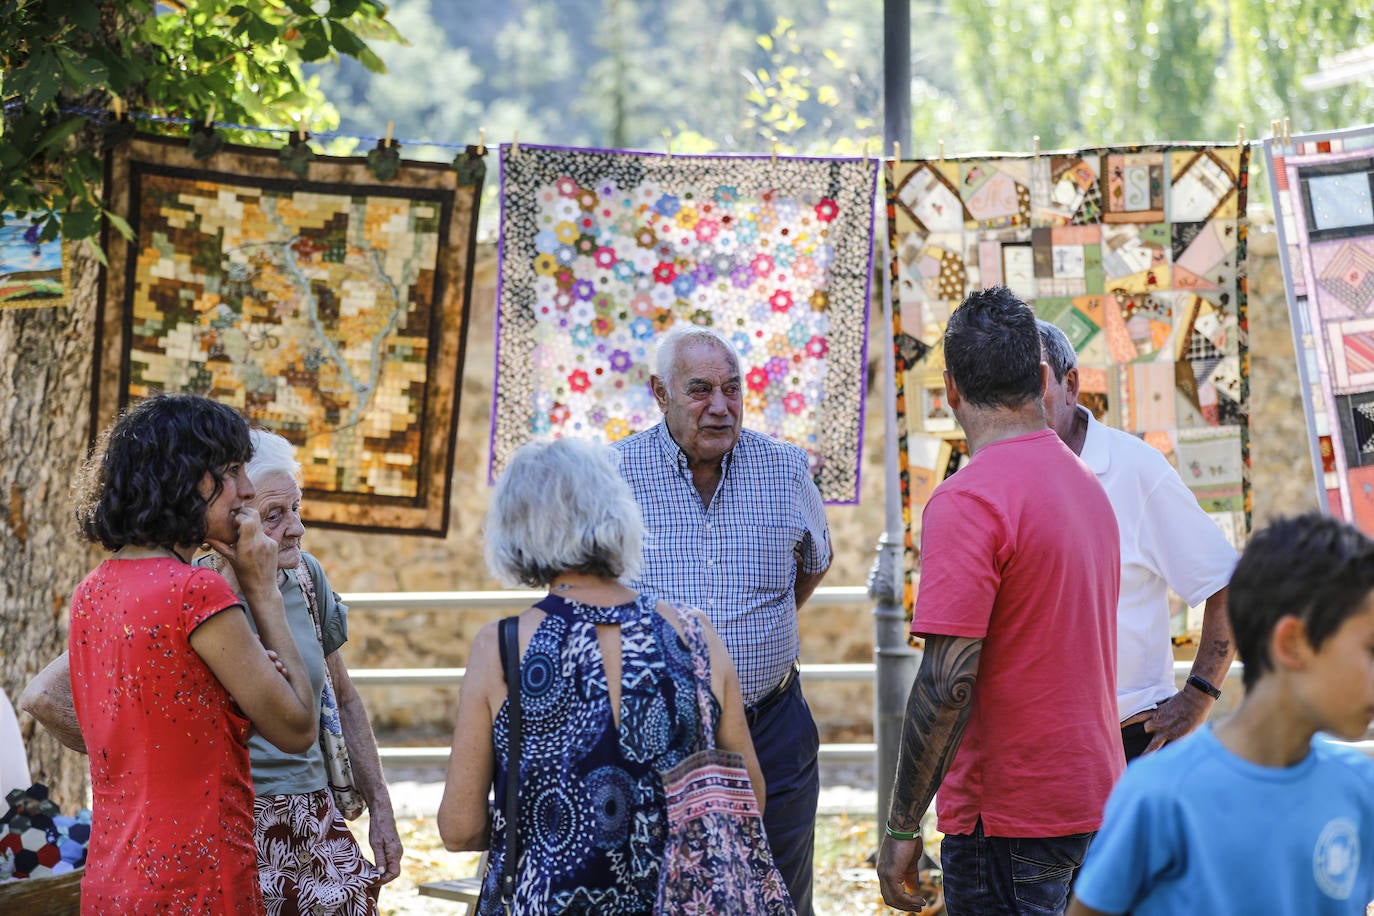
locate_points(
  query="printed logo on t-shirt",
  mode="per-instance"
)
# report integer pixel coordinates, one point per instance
(1336, 858)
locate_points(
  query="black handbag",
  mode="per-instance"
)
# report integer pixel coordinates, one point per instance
(509, 633)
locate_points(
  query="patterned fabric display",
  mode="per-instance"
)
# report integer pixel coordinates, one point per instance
(717, 858)
(603, 251)
(1137, 253)
(331, 309)
(1323, 191)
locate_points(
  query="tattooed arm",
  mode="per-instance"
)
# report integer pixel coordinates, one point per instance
(937, 711)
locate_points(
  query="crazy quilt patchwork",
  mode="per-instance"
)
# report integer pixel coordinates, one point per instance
(331, 309)
(1136, 253)
(603, 251)
(1323, 187)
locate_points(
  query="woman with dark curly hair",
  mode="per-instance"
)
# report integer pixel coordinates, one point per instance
(167, 676)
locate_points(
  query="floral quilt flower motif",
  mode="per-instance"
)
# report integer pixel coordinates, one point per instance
(781, 300)
(667, 205)
(567, 232)
(621, 360)
(827, 210)
(756, 379)
(687, 217)
(567, 187)
(816, 348)
(793, 402)
(646, 238)
(604, 257)
(762, 265)
(583, 289)
(578, 381)
(706, 230)
(603, 325)
(665, 272)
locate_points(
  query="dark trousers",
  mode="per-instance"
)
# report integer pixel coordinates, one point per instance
(787, 743)
(1004, 876)
(1134, 740)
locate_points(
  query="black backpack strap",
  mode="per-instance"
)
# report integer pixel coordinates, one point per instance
(509, 632)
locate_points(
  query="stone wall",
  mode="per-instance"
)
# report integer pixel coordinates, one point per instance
(1282, 483)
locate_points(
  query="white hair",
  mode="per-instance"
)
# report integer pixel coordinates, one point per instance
(271, 452)
(562, 506)
(670, 343)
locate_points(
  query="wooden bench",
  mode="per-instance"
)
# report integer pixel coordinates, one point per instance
(459, 890)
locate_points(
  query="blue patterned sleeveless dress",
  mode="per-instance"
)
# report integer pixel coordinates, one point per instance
(592, 811)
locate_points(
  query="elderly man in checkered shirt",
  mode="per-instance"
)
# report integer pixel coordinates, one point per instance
(734, 525)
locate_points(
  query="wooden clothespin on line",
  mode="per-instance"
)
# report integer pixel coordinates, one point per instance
(940, 144)
(481, 141)
(210, 118)
(773, 154)
(117, 106)
(1240, 135)
(1035, 146)
(668, 142)
(515, 143)
(1287, 132)
(386, 144)
(300, 129)
(896, 152)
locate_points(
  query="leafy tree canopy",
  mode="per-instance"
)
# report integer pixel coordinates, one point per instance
(64, 63)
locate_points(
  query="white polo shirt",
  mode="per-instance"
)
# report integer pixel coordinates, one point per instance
(1167, 541)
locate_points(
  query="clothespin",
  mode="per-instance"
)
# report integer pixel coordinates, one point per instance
(1035, 145)
(773, 156)
(1287, 132)
(1240, 135)
(117, 106)
(896, 151)
(515, 143)
(210, 117)
(300, 129)
(668, 141)
(481, 141)
(389, 125)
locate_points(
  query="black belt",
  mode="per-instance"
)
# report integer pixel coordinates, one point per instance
(770, 699)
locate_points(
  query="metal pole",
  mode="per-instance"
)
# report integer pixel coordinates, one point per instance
(894, 660)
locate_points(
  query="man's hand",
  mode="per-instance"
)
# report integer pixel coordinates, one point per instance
(386, 845)
(1177, 716)
(899, 863)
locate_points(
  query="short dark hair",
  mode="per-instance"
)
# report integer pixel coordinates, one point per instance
(1315, 568)
(992, 348)
(140, 484)
(1058, 351)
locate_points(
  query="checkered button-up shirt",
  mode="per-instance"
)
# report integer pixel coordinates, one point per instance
(737, 559)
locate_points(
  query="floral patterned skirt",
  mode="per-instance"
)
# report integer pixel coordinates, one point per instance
(308, 862)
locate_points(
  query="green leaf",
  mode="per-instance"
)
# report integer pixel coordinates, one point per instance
(47, 79)
(346, 41)
(260, 31)
(99, 253)
(300, 8)
(121, 225)
(342, 9)
(371, 61)
(80, 223)
(84, 15)
(61, 131)
(82, 72)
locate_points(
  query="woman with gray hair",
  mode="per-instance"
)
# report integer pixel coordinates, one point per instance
(308, 860)
(608, 696)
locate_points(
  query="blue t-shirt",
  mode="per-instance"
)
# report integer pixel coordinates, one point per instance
(1196, 829)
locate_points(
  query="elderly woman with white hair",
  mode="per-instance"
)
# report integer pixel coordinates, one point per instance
(308, 861)
(608, 697)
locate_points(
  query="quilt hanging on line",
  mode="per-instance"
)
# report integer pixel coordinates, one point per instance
(602, 251)
(34, 273)
(1323, 191)
(331, 309)
(1137, 253)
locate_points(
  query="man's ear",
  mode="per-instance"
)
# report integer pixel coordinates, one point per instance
(952, 396)
(660, 391)
(1289, 646)
(1071, 382)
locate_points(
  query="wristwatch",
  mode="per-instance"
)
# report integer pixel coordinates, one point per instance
(1201, 684)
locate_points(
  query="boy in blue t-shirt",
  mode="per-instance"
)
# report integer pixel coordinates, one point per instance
(1259, 814)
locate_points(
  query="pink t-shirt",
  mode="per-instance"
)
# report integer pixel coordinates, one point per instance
(1020, 548)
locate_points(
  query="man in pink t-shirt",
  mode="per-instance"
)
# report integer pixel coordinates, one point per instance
(1013, 712)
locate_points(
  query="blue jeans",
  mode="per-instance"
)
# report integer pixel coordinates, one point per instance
(787, 745)
(1003, 876)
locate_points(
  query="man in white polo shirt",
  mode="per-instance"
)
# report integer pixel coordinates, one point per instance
(1167, 541)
